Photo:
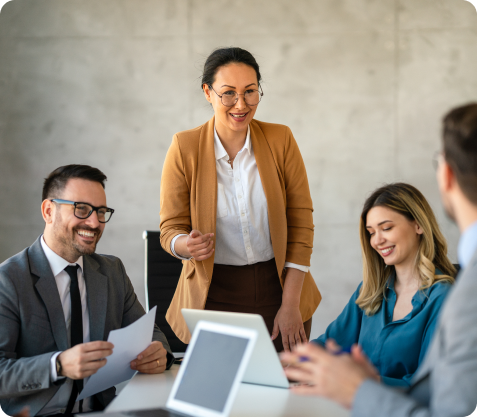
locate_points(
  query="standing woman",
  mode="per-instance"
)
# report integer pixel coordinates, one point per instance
(236, 208)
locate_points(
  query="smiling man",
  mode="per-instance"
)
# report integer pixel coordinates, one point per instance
(59, 301)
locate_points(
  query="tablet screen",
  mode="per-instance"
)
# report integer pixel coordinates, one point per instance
(211, 370)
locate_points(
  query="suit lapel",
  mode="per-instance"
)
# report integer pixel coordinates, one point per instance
(48, 290)
(206, 210)
(97, 295)
(268, 171)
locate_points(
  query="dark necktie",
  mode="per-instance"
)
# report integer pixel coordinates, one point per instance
(76, 330)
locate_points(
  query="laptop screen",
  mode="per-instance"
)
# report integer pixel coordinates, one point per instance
(211, 370)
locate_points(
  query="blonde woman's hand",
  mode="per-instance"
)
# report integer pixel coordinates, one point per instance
(323, 373)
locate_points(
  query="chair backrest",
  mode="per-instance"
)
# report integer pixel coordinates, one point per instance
(457, 267)
(161, 277)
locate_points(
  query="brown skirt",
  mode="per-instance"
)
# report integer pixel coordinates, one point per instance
(249, 289)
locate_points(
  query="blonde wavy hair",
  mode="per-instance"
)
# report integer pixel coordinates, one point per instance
(431, 255)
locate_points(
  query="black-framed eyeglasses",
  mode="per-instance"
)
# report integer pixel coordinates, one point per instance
(84, 210)
(252, 96)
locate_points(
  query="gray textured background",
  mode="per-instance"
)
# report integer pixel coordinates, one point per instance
(361, 83)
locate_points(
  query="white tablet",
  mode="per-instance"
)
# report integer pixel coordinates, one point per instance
(212, 370)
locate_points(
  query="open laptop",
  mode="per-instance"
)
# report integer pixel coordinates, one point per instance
(264, 367)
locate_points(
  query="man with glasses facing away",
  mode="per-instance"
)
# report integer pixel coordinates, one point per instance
(445, 385)
(59, 300)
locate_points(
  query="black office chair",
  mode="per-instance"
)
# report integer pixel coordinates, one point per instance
(161, 277)
(457, 267)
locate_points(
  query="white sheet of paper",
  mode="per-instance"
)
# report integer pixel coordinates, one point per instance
(128, 342)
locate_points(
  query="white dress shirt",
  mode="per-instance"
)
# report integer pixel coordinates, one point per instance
(242, 230)
(59, 401)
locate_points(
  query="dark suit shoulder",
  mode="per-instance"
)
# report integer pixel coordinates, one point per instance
(17, 264)
(107, 262)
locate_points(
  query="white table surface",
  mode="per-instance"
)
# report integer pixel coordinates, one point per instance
(152, 391)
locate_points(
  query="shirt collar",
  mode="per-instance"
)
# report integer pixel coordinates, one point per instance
(57, 263)
(220, 151)
(467, 245)
(417, 301)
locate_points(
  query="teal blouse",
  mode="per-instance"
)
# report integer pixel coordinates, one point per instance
(395, 348)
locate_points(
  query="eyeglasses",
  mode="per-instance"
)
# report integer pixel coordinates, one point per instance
(84, 210)
(229, 98)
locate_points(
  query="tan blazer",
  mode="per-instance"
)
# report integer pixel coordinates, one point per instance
(189, 201)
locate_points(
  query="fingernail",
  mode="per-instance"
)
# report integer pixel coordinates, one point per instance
(139, 357)
(133, 364)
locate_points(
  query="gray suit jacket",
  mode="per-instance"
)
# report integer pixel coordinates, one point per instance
(446, 383)
(32, 323)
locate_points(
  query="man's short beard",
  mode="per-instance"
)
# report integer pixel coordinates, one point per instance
(70, 246)
(80, 250)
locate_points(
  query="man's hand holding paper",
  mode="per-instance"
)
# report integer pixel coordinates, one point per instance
(84, 360)
(151, 361)
(128, 341)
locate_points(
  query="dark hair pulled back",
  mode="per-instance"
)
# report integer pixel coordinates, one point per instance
(225, 56)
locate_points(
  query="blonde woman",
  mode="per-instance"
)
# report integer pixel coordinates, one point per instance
(406, 277)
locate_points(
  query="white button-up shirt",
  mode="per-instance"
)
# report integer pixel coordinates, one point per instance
(242, 229)
(59, 401)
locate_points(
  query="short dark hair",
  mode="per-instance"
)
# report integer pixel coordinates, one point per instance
(55, 182)
(460, 147)
(225, 56)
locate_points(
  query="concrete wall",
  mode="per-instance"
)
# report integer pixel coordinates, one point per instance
(361, 83)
